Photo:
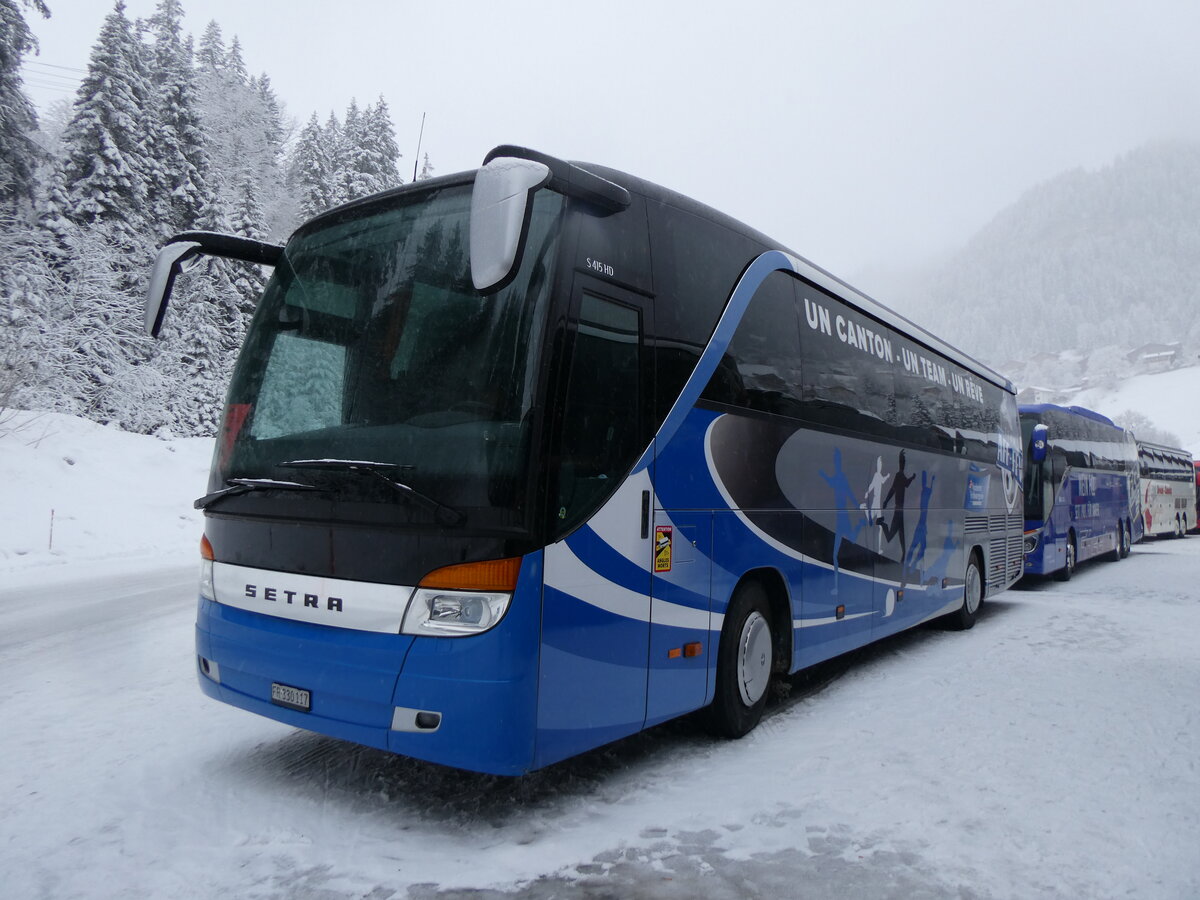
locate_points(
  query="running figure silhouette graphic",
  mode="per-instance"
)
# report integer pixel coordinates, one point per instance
(895, 496)
(844, 500)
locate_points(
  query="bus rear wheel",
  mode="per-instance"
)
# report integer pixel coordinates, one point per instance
(965, 616)
(1126, 539)
(744, 661)
(1117, 553)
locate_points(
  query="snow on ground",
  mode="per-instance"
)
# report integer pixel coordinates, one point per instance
(1171, 400)
(1051, 752)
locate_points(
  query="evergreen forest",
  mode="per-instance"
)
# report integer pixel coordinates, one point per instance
(165, 134)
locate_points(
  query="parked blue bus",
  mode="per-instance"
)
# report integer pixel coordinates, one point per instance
(1082, 496)
(521, 461)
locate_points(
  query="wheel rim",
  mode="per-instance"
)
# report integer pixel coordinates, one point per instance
(754, 658)
(974, 589)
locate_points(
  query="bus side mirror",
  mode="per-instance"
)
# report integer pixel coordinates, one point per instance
(500, 213)
(167, 265)
(1038, 443)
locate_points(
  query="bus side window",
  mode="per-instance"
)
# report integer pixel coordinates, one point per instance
(601, 427)
(1058, 466)
(849, 363)
(761, 369)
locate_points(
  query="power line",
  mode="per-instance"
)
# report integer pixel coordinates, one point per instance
(38, 62)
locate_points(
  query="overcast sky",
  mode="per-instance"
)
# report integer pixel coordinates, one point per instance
(857, 133)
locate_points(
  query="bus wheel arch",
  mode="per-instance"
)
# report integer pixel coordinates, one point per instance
(748, 654)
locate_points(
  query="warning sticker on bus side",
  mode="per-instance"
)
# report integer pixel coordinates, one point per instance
(662, 548)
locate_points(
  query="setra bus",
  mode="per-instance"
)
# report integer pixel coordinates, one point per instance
(1168, 489)
(521, 461)
(1081, 489)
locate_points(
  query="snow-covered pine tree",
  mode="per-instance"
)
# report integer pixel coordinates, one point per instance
(178, 141)
(28, 285)
(382, 152)
(19, 153)
(210, 55)
(426, 169)
(351, 168)
(313, 169)
(248, 281)
(201, 337)
(370, 151)
(244, 124)
(106, 173)
(235, 65)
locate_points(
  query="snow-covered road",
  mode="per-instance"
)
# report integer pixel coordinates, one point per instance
(1051, 752)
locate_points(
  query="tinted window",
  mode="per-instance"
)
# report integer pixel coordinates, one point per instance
(601, 433)
(697, 263)
(761, 368)
(848, 365)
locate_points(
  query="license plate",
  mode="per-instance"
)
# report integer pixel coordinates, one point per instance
(291, 697)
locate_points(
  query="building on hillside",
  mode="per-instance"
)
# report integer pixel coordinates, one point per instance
(1156, 357)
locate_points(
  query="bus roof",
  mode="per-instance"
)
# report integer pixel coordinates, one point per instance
(1082, 411)
(809, 270)
(657, 193)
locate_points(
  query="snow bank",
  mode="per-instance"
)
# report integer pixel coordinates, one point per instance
(78, 496)
(1168, 399)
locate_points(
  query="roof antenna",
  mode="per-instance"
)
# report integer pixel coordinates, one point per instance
(418, 156)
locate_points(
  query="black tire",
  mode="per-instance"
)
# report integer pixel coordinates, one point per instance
(1116, 554)
(1126, 539)
(973, 591)
(1184, 532)
(744, 661)
(1065, 573)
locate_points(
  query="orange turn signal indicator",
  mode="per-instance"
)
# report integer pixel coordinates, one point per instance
(206, 550)
(498, 575)
(693, 649)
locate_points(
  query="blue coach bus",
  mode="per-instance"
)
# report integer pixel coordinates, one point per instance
(520, 461)
(1082, 497)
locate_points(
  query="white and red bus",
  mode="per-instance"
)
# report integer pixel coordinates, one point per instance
(1168, 489)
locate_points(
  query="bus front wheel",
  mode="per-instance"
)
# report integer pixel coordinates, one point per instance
(965, 616)
(744, 660)
(1065, 573)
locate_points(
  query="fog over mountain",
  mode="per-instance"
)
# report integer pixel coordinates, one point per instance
(1090, 262)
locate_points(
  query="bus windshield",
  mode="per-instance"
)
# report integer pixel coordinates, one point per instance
(370, 345)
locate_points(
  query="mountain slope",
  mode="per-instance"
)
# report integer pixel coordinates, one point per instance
(1085, 260)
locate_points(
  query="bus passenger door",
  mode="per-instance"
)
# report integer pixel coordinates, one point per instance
(596, 601)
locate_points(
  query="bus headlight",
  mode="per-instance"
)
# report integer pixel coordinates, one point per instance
(207, 591)
(1031, 542)
(433, 611)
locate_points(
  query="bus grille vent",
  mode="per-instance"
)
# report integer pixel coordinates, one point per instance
(976, 525)
(1016, 555)
(998, 558)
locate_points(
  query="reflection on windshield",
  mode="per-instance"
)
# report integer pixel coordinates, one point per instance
(370, 343)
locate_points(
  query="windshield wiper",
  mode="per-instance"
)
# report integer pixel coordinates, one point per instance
(446, 515)
(245, 485)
